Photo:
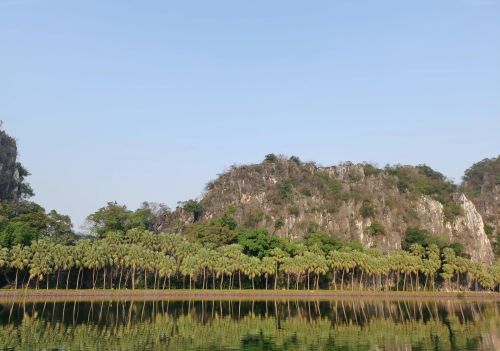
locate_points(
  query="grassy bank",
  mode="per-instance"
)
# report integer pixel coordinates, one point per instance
(9, 295)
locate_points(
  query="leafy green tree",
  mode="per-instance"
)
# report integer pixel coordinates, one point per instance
(111, 218)
(324, 241)
(59, 227)
(194, 208)
(257, 242)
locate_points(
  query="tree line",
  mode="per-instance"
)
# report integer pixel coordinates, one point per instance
(142, 259)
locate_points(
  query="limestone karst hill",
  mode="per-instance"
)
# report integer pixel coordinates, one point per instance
(291, 198)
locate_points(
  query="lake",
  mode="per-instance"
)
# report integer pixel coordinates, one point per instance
(251, 325)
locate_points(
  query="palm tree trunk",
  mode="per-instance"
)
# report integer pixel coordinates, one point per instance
(276, 278)
(57, 279)
(67, 278)
(133, 278)
(104, 279)
(120, 280)
(78, 277)
(204, 277)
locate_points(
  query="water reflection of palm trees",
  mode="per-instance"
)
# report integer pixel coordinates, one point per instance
(309, 324)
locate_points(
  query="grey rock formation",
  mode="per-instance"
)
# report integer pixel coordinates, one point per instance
(342, 200)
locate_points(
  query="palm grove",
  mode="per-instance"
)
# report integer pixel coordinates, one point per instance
(127, 252)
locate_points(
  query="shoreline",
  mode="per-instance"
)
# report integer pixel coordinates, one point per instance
(10, 295)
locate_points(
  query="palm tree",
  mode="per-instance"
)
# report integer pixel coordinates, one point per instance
(268, 267)
(5, 258)
(20, 257)
(68, 262)
(168, 266)
(278, 257)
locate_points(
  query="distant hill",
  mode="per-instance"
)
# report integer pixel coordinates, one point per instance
(291, 198)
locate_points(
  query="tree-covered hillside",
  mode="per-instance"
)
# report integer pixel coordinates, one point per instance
(375, 206)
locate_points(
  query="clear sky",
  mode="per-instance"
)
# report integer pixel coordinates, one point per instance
(148, 100)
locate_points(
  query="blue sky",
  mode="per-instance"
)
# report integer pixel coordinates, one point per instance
(148, 100)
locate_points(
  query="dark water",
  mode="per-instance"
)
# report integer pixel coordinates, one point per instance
(246, 325)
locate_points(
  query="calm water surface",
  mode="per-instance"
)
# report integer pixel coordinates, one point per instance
(246, 325)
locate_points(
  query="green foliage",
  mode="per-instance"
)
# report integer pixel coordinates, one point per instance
(451, 210)
(279, 223)
(375, 229)
(367, 209)
(59, 227)
(220, 231)
(459, 249)
(193, 207)
(21, 233)
(423, 238)
(112, 218)
(370, 169)
(214, 234)
(285, 189)
(253, 218)
(489, 230)
(475, 175)
(422, 180)
(271, 158)
(306, 191)
(326, 184)
(257, 242)
(294, 210)
(117, 218)
(27, 221)
(355, 176)
(24, 190)
(324, 241)
(295, 160)
(226, 221)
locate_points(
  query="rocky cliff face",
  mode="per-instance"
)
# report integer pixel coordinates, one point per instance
(8, 167)
(482, 186)
(352, 202)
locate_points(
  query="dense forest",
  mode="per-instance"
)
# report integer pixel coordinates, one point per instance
(127, 249)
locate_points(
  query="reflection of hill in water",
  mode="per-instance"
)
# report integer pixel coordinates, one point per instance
(215, 325)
